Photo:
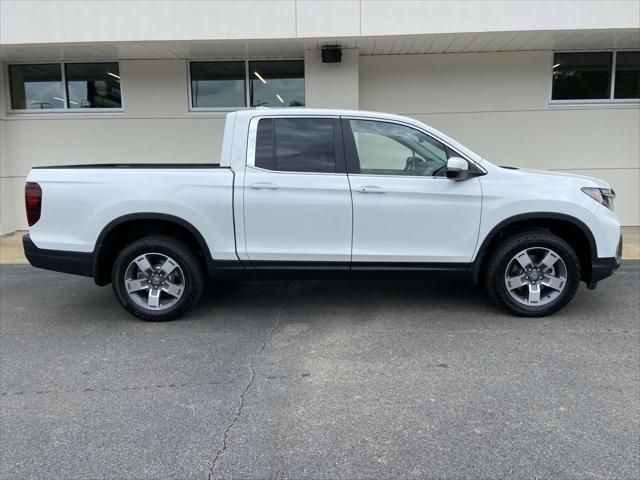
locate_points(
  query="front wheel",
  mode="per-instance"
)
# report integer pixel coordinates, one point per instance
(157, 278)
(532, 273)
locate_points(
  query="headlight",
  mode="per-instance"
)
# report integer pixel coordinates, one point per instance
(604, 196)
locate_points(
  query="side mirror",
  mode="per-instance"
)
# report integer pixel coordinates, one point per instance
(457, 168)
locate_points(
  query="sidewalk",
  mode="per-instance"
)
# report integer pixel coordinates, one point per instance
(11, 246)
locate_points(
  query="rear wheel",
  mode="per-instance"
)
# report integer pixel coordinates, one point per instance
(157, 278)
(532, 273)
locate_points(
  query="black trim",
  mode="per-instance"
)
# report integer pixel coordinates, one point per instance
(76, 263)
(602, 268)
(229, 270)
(341, 165)
(448, 271)
(265, 269)
(212, 265)
(488, 239)
(350, 149)
(133, 166)
(540, 216)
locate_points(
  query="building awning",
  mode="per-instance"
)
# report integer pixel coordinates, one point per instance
(295, 48)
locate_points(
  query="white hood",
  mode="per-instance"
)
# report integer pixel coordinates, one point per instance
(584, 180)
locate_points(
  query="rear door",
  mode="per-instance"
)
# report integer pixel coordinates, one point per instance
(297, 201)
(405, 210)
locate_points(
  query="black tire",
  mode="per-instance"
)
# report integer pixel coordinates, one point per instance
(177, 250)
(501, 255)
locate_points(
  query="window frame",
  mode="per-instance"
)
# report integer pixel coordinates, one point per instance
(611, 101)
(247, 80)
(338, 134)
(63, 78)
(353, 161)
(190, 106)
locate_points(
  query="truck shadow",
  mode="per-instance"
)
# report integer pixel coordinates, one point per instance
(77, 301)
(347, 298)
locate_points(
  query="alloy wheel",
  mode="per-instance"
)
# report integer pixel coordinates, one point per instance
(154, 281)
(536, 276)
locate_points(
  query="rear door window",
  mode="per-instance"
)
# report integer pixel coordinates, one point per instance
(296, 145)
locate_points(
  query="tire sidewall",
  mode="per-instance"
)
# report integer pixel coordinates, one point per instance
(174, 249)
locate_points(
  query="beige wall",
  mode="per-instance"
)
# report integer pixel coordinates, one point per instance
(46, 21)
(332, 85)
(497, 104)
(156, 127)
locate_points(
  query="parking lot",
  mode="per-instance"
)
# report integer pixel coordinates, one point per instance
(356, 379)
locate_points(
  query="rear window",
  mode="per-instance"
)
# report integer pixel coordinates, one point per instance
(296, 145)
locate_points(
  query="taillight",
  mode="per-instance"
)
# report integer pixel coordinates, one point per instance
(33, 201)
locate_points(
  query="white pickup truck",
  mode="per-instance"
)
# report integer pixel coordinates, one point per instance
(302, 193)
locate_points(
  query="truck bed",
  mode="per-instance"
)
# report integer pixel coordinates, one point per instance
(79, 201)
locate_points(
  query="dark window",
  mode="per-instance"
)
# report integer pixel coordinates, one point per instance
(218, 84)
(277, 83)
(305, 145)
(88, 85)
(93, 85)
(627, 75)
(265, 157)
(36, 86)
(296, 145)
(581, 76)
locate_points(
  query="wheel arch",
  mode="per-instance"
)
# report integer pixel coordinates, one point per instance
(131, 227)
(571, 229)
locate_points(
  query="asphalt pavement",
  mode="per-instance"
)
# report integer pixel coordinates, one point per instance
(306, 379)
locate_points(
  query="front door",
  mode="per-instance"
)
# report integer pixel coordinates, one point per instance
(405, 210)
(297, 202)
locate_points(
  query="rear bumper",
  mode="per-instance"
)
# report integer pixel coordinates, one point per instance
(76, 263)
(602, 268)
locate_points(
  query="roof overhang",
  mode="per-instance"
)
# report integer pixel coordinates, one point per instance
(295, 48)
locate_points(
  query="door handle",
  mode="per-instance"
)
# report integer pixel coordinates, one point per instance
(264, 186)
(371, 189)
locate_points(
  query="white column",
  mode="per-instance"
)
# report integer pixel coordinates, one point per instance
(332, 85)
(11, 207)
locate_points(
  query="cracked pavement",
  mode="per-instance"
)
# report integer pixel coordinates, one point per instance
(336, 379)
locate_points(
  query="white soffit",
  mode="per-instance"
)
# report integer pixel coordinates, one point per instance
(397, 45)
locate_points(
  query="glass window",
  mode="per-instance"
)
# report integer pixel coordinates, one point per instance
(36, 86)
(581, 76)
(277, 83)
(304, 145)
(265, 157)
(93, 85)
(391, 149)
(218, 84)
(627, 83)
(296, 145)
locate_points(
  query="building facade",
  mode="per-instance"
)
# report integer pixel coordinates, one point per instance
(535, 84)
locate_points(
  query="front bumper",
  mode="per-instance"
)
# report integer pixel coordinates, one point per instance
(76, 263)
(602, 268)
